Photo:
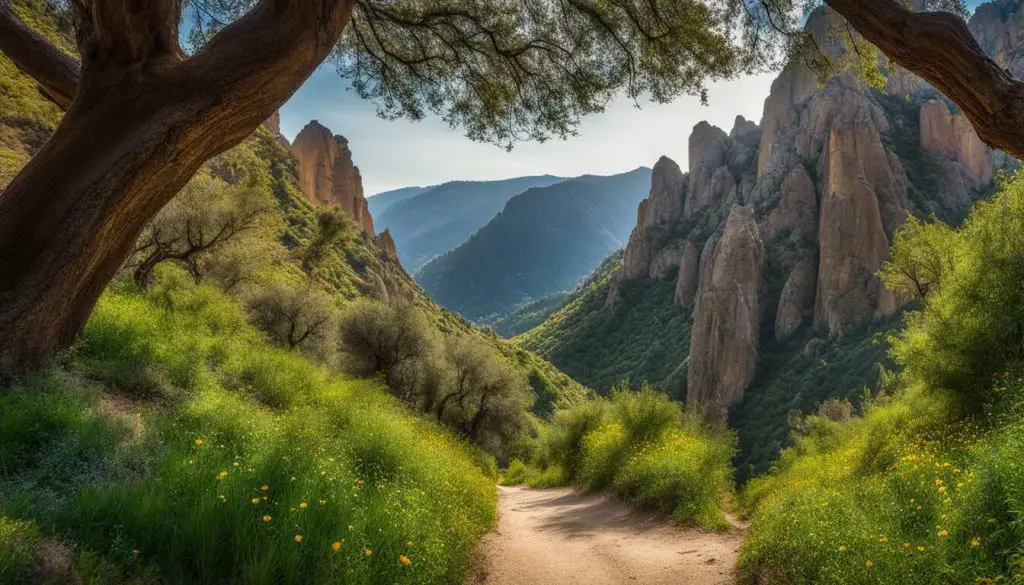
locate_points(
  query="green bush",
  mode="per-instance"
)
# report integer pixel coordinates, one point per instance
(972, 323)
(642, 446)
(247, 464)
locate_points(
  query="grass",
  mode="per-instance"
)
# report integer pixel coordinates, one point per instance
(639, 445)
(177, 446)
(911, 493)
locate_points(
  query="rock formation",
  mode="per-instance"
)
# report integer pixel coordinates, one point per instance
(273, 124)
(327, 175)
(662, 206)
(727, 315)
(387, 243)
(807, 202)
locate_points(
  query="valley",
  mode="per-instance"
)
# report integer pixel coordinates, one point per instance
(790, 353)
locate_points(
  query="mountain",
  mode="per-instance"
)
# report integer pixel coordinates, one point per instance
(545, 240)
(327, 175)
(381, 202)
(440, 219)
(749, 284)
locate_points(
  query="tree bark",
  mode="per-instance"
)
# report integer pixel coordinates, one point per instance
(56, 72)
(140, 125)
(940, 48)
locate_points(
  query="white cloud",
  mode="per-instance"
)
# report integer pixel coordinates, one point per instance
(402, 153)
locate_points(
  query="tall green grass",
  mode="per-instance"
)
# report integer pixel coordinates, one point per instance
(639, 445)
(177, 446)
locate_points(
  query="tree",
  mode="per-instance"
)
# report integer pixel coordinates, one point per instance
(392, 339)
(297, 318)
(206, 217)
(922, 256)
(142, 116)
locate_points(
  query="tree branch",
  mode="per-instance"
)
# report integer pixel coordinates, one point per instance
(56, 72)
(939, 47)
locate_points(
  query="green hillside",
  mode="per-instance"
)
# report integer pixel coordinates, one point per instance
(545, 240)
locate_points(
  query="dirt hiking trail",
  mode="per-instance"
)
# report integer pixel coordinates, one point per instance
(563, 537)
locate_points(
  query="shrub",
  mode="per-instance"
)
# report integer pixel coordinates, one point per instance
(176, 489)
(640, 445)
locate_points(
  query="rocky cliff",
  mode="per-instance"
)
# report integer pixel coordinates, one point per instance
(327, 175)
(794, 217)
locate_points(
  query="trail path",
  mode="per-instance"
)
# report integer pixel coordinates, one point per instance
(563, 537)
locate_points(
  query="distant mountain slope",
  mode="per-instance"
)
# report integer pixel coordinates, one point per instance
(545, 240)
(440, 219)
(381, 202)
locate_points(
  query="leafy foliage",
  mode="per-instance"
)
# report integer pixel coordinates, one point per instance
(197, 452)
(640, 445)
(643, 337)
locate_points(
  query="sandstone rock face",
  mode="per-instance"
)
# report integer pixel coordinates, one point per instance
(387, 243)
(853, 240)
(997, 26)
(726, 318)
(662, 206)
(954, 137)
(796, 300)
(273, 123)
(327, 175)
(689, 273)
(709, 179)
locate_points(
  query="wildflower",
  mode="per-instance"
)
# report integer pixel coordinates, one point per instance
(302, 505)
(222, 498)
(367, 552)
(869, 564)
(883, 538)
(264, 488)
(199, 442)
(323, 502)
(842, 548)
(920, 549)
(222, 475)
(135, 552)
(406, 561)
(906, 545)
(360, 482)
(255, 501)
(975, 542)
(408, 544)
(298, 538)
(267, 517)
(336, 546)
(943, 533)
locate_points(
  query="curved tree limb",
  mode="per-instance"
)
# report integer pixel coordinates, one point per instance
(940, 48)
(56, 72)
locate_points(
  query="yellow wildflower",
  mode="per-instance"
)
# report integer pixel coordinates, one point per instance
(842, 548)
(255, 501)
(267, 517)
(222, 475)
(298, 538)
(943, 533)
(408, 544)
(869, 564)
(367, 552)
(975, 542)
(199, 442)
(920, 549)
(406, 561)
(883, 538)
(264, 488)
(302, 505)
(336, 546)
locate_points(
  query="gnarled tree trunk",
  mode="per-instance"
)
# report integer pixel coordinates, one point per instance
(142, 121)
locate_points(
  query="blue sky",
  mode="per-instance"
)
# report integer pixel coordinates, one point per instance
(402, 153)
